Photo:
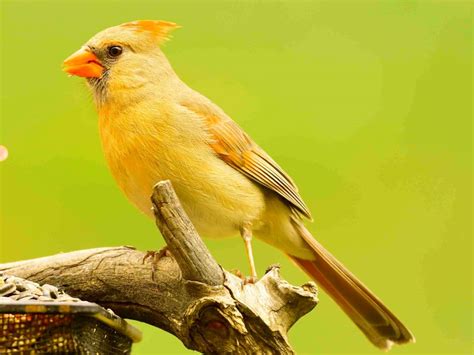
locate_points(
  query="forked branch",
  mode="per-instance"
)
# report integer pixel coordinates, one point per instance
(186, 293)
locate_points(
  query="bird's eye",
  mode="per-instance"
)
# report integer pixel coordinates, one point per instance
(115, 51)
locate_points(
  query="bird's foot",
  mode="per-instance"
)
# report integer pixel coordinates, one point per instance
(155, 256)
(245, 279)
(237, 273)
(249, 280)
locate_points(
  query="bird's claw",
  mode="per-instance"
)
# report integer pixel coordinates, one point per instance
(249, 280)
(245, 279)
(155, 256)
(237, 273)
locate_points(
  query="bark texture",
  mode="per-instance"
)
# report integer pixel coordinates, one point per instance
(184, 292)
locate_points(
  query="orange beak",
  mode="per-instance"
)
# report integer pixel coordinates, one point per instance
(83, 63)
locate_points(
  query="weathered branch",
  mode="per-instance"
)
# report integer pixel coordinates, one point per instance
(186, 294)
(190, 252)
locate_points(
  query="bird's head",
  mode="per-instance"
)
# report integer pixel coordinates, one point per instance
(122, 57)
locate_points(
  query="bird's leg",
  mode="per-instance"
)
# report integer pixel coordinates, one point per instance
(246, 233)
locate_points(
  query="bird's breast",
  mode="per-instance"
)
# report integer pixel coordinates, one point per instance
(143, 147)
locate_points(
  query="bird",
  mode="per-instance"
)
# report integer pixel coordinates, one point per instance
(154, 127)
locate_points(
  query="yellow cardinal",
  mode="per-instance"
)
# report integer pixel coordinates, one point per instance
(154, 127)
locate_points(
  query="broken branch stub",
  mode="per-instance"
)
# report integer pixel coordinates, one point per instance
(188, 294)
(182, 239)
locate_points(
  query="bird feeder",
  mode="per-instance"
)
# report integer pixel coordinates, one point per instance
(54, 322)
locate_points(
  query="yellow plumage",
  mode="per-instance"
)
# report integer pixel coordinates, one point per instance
(154, 127)
(149, 149)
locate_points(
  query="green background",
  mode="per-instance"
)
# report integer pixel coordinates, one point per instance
(366, 104)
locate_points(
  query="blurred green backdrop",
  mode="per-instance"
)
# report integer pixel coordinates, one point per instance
(366, 104)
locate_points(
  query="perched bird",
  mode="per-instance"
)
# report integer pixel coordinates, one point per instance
(154, 127)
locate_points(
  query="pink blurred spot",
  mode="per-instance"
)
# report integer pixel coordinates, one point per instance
(3, 153)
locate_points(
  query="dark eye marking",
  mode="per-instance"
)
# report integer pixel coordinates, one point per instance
(114, 51)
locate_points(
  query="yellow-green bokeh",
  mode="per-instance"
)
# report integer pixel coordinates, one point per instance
(367, 104)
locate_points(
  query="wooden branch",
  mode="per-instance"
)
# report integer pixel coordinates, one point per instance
(187, 294)
(190, 252)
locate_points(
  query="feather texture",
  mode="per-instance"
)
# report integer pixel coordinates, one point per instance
(160, 29)
(154, 127)
(365, 309)
(237, 149)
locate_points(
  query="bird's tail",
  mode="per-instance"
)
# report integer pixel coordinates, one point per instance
(375, 320)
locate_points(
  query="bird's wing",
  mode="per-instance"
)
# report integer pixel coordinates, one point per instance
(237, 149)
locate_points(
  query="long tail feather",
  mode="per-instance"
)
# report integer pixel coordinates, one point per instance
(375, 320)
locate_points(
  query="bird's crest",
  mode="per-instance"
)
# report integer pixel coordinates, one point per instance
(160, 29)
